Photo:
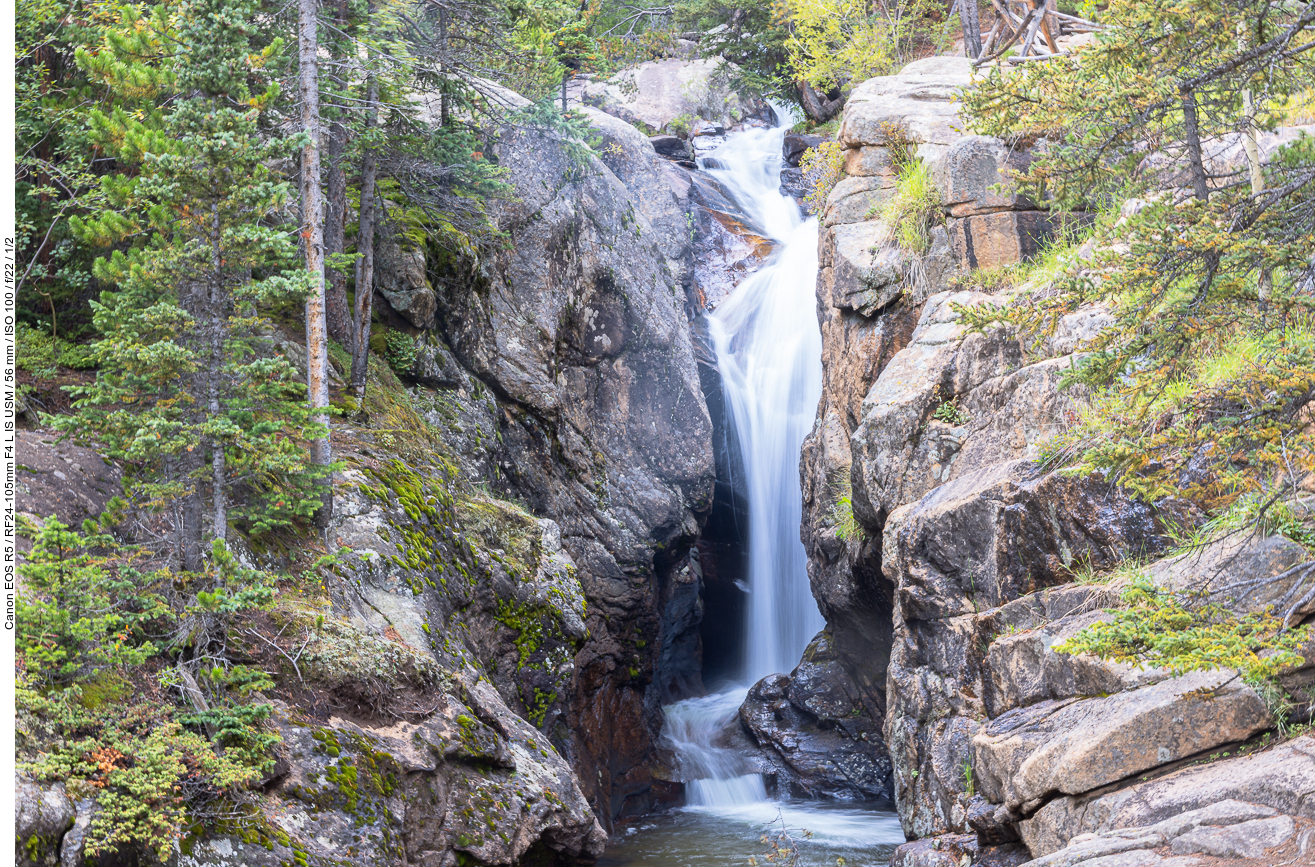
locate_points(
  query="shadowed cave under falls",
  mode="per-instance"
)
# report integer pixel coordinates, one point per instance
(759, 613)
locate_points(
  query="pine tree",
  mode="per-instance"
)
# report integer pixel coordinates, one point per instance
(1205, 379)
(190, 394)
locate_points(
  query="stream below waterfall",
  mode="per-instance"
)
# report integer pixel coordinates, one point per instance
(768, 346)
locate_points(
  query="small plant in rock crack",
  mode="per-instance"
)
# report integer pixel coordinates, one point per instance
(969, 786)
(950, 413)
(842, 517)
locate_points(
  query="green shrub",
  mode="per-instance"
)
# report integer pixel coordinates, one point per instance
(81, 610)
(400, 350)
(823, 167)
(950, 413)
(93, 629)
(681, 125)
(42, 354)
(915, 209)
(1175, 632)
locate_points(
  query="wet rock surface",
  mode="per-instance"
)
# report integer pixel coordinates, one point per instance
(818, 736)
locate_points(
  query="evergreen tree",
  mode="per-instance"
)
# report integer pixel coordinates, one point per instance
(189, 393)
(1205, 379)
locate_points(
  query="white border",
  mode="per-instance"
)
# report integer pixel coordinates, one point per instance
(7, 435)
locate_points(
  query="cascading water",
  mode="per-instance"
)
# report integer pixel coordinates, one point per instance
(769, 349)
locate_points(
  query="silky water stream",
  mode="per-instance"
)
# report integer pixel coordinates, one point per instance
(769, 351)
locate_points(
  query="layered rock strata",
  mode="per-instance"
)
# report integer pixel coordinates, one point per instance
(946, 558)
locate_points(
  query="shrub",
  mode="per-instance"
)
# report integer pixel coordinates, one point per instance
(92, 631)
(1172, 631)
(915, 209)
(42, 354)
(823, 167)
(400, 350)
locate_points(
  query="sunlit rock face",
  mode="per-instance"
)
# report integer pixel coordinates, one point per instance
(946, 558)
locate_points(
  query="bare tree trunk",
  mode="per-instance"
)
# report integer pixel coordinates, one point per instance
(365, 246)
(189, 463)
(218, 479)
(442, 51)
(317, 345)
(195, 297)
(1191, 127)
(337, 313)
(972, 28)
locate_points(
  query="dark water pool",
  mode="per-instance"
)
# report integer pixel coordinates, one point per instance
(864, 835)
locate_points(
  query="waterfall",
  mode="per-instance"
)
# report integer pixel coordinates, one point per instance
(769, 350)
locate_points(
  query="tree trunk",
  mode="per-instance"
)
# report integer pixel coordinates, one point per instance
(191, 529)
(337, 312)
(312, 233)
(335, 220)
(442, 52)
(972, 28)
(816, 105)
(365, 246)
(1192, 130)
(218, 479)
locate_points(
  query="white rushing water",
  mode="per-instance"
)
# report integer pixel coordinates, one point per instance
(769, 350)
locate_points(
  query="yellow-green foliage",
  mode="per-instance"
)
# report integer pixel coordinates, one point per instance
(41, 354)
(823, 167)
(1167, 630)
(1299, 108)
(837, 41)
(915, 208)
(1227, 404)
(842, 518)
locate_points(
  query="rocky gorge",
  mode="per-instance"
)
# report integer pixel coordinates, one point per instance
(538, 521)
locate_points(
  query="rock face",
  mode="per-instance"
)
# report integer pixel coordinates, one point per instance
(946, 560)
(911, 399)
(63, 479)
(578, 327)
(403, 282)
(659, 91)
(494, 656)
(471, 781)
(819, 737)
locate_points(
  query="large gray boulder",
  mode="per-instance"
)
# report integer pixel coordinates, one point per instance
(1026, 755)
(42, 815)
(974, 177)
(401, 278)
(918, 102)
(658, 91)
(452, 786)
(1281, 778)
(819, 735)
